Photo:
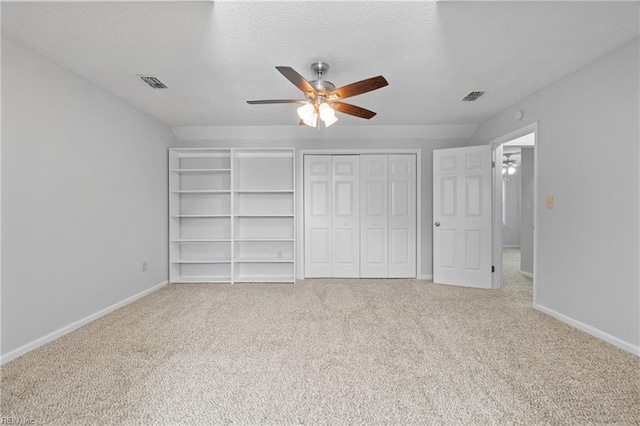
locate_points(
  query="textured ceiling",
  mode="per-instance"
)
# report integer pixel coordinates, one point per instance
(215, 56)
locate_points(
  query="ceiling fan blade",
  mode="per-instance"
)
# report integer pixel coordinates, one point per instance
(299, 81)
(352, 110)
(359, 87)
(278, 101)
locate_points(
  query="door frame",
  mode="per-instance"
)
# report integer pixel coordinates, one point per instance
(363, 151)
(496, 150)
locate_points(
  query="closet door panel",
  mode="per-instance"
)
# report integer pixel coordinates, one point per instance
(402, 216)
(374, 240)
(398, 247)
(346, 216)
(318, 216)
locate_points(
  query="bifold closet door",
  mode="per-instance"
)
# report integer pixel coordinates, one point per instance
(318, 216)
(402, 216)
(374, 240)
(332, 216)
(346, 216)
(360, 216)
(388, 235)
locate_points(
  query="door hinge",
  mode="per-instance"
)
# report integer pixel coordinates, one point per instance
(493, 269)
(493, 164)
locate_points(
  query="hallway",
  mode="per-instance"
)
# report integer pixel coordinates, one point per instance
(514, 282)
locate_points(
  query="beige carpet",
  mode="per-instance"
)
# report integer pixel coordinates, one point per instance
(326, 352)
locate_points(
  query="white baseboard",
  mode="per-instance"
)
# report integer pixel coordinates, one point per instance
(508, 246)
(76, 325)
(526, 274)
(591, 330)
(425, 277)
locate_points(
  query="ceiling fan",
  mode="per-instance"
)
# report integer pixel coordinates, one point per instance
(322, 97)
(509, 165)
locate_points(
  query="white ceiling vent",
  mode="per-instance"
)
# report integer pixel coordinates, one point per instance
(153, 82)
(472, 96)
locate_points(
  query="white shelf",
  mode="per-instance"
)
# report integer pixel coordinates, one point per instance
(201, 240)
(199, 261)
(193, 216)
(263, 191)
(264, 279)
(257, 240)
(276, 260)
(263, 215)
(201, 170)
(200, 191)
(202, 280)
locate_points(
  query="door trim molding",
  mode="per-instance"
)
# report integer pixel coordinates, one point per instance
(300, 197)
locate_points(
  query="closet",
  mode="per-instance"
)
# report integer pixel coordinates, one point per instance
(360, 216)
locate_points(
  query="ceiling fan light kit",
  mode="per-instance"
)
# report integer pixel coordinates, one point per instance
(305, 111)
(508, 166)
(330, 120)
(310, 112)
(322, 98)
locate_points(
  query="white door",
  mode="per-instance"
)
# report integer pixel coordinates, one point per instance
(374, 238)
(402, 216)
(318, 216)
(462, 216)
(346, 216)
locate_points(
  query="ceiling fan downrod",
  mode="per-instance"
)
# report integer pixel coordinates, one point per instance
(321, 86)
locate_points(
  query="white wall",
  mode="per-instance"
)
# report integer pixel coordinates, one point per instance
(511, 228)
(588, 142)
(526, 209)
(427, 146)
(84, 188)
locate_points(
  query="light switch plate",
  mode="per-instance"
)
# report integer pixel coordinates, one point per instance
(549, 202)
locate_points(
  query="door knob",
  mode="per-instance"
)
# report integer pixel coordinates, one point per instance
(437, 224)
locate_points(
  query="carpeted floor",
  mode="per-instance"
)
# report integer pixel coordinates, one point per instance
(327, 352)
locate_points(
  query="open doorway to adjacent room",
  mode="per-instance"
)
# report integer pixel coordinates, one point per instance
(514, 207)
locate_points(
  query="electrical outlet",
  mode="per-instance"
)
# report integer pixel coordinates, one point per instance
(144, 266)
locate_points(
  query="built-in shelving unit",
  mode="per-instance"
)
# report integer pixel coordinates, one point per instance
(232, 215)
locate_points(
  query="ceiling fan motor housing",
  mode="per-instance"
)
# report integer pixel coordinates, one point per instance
(320, 85)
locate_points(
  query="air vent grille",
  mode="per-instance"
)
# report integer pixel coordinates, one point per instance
(472, 96)
(153, 82)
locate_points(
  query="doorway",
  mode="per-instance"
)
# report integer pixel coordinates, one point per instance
(515, 178)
